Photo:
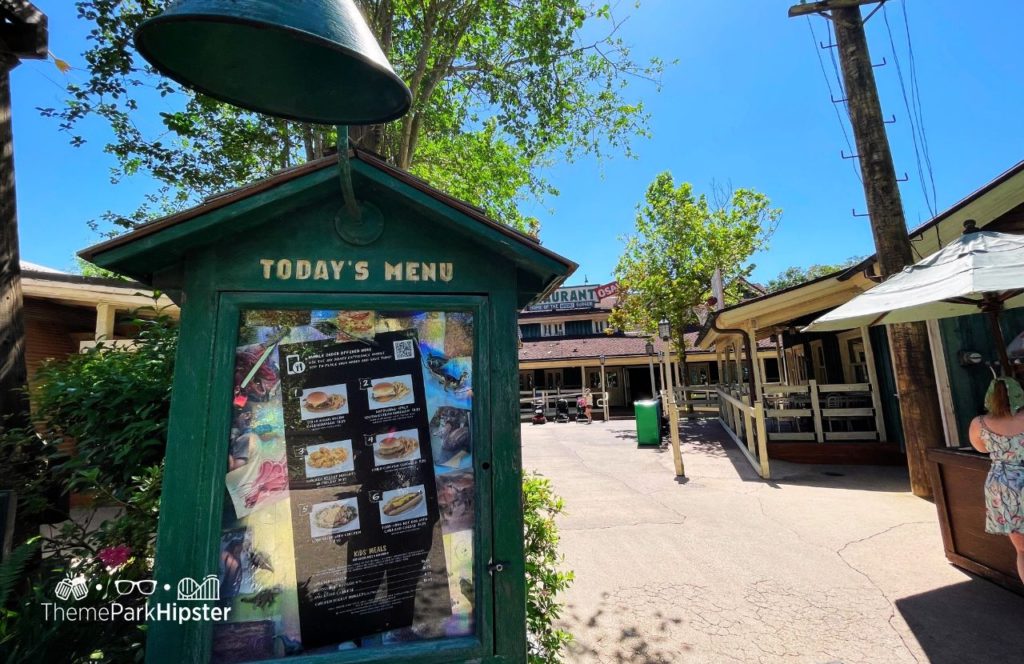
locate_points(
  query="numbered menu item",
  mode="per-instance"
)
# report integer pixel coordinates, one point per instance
(369, 553)
(329, 458)
(337, 516)
(390, 392)
(323, 401)
(396, 447)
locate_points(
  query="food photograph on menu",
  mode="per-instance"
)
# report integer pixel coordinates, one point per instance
(402, 504)
(349, 516)
(391, 391)
(329, 458)
(323, 401)
(337, 516)
(396, 447)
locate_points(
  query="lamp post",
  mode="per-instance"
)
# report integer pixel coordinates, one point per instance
(649, 348)
(661, 368)
(665, 332)
(604, 393)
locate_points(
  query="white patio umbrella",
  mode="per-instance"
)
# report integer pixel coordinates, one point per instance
(979, 271)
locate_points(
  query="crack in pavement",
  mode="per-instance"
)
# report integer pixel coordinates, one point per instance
(892, 605)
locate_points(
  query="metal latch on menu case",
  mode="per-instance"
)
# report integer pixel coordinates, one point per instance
(493, 567)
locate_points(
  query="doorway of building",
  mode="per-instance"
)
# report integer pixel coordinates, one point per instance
(640, 383)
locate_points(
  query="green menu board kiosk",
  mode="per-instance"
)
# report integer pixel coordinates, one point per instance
(343, 476)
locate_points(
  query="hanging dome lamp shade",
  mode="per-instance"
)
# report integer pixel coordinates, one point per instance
(306, 60)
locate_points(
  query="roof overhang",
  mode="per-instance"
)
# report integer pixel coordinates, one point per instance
(766, 314)
(986, 205)
(85, 292)
(160, 245)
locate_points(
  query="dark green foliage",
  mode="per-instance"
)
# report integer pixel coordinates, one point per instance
(111, 405)
(114, 405)
(544, 580)
(499, 91)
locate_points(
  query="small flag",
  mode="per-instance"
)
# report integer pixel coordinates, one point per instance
(62, 65)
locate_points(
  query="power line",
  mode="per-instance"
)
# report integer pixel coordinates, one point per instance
(831, 94)
(918, 103)
(912, 116)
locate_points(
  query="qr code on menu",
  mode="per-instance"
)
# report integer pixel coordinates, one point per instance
(405, 350)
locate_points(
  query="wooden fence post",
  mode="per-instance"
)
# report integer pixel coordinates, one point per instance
(673, 422)
(762, 440)
(819, 431)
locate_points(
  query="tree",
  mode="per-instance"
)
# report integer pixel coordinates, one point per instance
(499, 87)
(681, 239)
(794, 276)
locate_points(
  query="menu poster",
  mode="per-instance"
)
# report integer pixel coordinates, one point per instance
(369, 553)
(365, 418)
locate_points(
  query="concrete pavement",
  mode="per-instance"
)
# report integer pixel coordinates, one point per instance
(823, 564)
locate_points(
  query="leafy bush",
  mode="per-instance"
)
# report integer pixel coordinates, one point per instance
(110, 407)
(544, 580)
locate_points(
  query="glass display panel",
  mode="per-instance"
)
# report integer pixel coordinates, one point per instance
(349, 510)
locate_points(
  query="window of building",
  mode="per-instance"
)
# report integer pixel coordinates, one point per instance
(530, 331)
(600, 326)
(579, 327)
(552, 329)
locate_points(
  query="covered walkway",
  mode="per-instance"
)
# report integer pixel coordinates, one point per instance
(820, 564)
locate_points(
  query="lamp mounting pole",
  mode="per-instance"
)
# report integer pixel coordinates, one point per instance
(357, 223)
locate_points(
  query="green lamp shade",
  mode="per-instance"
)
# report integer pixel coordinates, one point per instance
(306, 60)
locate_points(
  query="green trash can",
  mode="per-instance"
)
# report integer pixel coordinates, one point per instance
(648, 429)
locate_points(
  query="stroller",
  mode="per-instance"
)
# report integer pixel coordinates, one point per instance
(538, 412)
(562, 411)
(581, 410)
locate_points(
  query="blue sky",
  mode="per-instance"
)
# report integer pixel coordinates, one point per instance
(746, 104)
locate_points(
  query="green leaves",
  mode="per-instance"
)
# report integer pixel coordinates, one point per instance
(794, 276)
(535, 81)
(100, 431)
(681, 239)
(544, 580)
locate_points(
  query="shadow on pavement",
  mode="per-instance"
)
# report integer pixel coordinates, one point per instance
(634, 644)
(625, 434)
(973, 621)
(708, 437)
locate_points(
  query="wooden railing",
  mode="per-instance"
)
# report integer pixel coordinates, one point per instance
(528, 399)
(699, 399)
(824, 412)
(746, 424)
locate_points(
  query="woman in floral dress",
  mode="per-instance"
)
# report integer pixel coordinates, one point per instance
(1001, 434)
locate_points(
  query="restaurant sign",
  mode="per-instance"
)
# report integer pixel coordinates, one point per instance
(575, 298)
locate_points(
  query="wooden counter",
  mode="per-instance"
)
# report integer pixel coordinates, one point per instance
(958, 481)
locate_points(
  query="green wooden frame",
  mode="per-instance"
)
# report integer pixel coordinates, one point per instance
(187, 543)
(207, 259)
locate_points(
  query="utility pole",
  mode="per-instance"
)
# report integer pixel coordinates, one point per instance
(23, 34)
(915, 376)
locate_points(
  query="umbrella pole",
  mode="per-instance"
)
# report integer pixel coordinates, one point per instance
(993, 307)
